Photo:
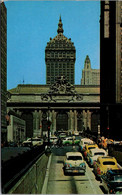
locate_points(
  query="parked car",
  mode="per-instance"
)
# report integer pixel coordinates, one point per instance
(94, 154)
(103, 164)
(85, 141)
(62, 135)
(74, 163)
(87, 148)
(33, 142)
(67, 141)
(112, 181)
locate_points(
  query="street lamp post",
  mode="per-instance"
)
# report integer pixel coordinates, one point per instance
(48, 125)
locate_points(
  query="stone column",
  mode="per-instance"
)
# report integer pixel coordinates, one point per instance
(69, 121)
(75, 119)
(34, 122)
(53, 121)
(51, 126)
(40, 121)
(85, 119)
(89, 119)
(36, 130)
(71, 117)
(90, 113)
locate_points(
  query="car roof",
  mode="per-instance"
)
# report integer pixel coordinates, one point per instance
(97, 150)
(86, 139)
(73, 154)
(106, 158)
(90, 145)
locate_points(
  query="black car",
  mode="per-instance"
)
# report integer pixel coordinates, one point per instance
(112, 181)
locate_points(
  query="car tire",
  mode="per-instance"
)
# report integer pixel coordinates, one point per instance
(65, 173)
(83, 173)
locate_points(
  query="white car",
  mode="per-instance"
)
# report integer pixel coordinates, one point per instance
(74, 163)
(33, 142)
(85, 141)
(94, 154)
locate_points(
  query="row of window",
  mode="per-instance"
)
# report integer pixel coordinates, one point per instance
(60, 46)
(63, 55)
(61, 67)
(60, 73)
(60, 70)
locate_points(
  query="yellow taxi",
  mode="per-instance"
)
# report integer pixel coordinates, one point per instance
(87, 148)
(103, 164)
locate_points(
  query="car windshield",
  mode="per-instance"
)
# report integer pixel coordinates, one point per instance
(74, 158)
(86, 142)
(118, 178)
(36, 139)
(99, 153)
(108, 163)
(91, 148)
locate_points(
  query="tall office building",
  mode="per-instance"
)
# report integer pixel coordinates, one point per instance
(90, 76)
(60, 57)
(111, 67)
(3, 62)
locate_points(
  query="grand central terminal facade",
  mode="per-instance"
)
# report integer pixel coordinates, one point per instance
(68, 107)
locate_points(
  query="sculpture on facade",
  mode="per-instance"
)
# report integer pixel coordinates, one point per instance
(61, 87)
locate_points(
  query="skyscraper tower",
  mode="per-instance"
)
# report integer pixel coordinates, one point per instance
(90, 76)
(3, 63)
(60, 55)
(111, 67)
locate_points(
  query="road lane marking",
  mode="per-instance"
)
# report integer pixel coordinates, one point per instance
(91, 183)
(44, 188)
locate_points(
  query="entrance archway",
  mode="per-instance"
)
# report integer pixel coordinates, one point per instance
(62, 121)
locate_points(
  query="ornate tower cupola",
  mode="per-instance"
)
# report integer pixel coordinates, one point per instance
(87, 64)
(60, 26)
(60, 57)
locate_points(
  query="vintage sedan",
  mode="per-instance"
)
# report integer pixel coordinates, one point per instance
(74, 163)
(94, 154)
(87, 149)
(85, 141)
(36, 141)
(67, 141)
(70, 141)
(103, 164)
(112, 181)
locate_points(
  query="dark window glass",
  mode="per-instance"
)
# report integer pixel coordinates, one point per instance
(108, 163)
(74, 158)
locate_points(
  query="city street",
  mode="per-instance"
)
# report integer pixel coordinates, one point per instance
(58, 183)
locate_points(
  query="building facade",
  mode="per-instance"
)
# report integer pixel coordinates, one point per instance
(3, 73)
(90, 76)
(68, 107)
(111, 67)
(16, 130)
(60, 55)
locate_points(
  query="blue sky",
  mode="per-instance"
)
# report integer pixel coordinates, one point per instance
(30, 24)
